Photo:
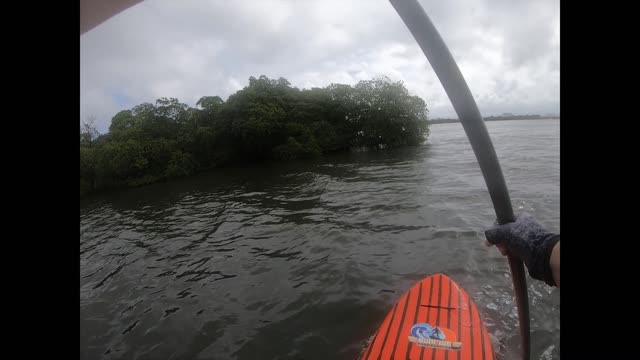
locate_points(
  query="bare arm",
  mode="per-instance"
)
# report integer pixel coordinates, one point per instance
(554, 263)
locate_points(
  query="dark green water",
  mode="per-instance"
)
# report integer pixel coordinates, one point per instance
(303, 260)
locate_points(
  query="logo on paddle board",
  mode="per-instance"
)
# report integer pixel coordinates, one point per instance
(424, 334)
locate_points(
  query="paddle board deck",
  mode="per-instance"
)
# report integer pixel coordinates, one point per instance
(434, 320)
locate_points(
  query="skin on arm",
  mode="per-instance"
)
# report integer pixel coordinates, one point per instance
(554, 263)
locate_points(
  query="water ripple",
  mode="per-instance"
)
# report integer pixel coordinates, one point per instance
(305, 258)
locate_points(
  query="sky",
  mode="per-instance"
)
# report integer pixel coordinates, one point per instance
(507, 50)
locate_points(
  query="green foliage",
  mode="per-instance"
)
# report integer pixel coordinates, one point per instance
(267, 120)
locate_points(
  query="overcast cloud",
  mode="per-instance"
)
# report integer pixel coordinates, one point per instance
(508, 51)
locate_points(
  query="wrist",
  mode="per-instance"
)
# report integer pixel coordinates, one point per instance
(554, 263)
(552, 260)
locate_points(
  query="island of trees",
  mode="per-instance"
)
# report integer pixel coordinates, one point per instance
(266, 120)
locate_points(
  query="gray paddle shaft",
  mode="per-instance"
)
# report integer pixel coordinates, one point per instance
(465, 106)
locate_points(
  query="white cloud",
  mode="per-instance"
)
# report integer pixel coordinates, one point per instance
(507, 50)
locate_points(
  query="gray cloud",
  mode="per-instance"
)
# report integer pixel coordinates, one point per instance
(507, 50)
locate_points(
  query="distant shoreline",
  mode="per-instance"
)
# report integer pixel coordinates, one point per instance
(493, 118)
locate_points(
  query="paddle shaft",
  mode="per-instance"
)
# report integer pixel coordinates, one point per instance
(465, 106)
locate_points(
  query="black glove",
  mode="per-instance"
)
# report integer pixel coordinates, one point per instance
(527, 239)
